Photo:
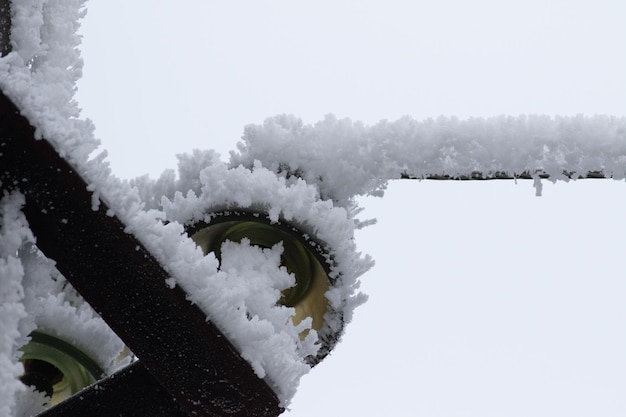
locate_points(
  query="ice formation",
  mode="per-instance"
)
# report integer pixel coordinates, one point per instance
(307, 174)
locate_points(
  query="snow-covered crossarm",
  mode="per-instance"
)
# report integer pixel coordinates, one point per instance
(347, 158)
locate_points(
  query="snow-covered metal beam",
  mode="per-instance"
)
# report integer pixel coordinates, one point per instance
(122, 281)
(347, 158)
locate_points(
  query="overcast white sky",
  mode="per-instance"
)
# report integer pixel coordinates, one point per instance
(485, 300)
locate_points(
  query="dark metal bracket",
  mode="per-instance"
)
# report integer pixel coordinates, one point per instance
(185, 362)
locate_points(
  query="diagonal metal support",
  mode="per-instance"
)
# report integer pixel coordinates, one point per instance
(120, 279)
(129, 392)
(186, 365)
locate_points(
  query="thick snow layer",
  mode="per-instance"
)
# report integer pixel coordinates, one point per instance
(346, 158)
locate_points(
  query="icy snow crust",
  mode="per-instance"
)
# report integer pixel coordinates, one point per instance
(309, 176)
